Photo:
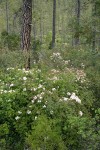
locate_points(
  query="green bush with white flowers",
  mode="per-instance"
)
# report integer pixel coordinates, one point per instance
(47, 110)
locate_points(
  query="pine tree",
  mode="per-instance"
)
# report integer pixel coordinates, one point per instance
(26, 30)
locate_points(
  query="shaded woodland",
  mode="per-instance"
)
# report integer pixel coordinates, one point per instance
(49, 74)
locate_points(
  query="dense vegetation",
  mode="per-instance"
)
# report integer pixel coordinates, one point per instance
(55, 104)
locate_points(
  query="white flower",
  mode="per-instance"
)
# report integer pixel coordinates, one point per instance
(65, 98)
(44, 106)
(10, 68)
(11, 85)
(60, 100)
(35, 117)
(28, 111)
(30, 106)
(53, 89)
(24, 89)
(66, 62)
(76, 98)
(80, 113)
(38, 70)
(55, 78)
(24, 78)
(46, 102)
(68, 93)
(43, 89)
(5, 91)
(9, 100)
(35, 89)
(23, 69)
(19, 112)
(26, 71)
(42, 93)
(73, 96)
(32, 101)
(39, 101)
(40, 86)
(82, 65)
(51, 112)
(49, 92)
(17, 117)
(35, 97)
(40, 97)
(10, 91)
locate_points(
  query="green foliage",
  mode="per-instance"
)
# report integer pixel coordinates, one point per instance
(11, 41)
(46, 109)
(45, 135)
(55, 105)
(11, 59)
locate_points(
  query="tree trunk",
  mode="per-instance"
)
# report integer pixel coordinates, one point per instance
(7, 22)
(26, 31)
(54, 24)
(94, 27)
(76, 35)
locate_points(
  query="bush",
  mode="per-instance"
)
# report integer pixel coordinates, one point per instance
(10, 41)
(46, 109)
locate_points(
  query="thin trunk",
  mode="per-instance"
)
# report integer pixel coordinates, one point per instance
(54, 24)
(94, 27)
(77, 35)
(26, 31)
(34, 27)
(41, 28)
(7, 19)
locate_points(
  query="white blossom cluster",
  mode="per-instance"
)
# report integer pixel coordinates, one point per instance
(54, 78)
(54, 71)
(80, 75)
(7, 91)
(80, 113)
(40, 89)
(24, 78)
(71, 96)
(56, 55)
(11, 68)
(17, 118)
(76, 98)
(82, 65)
(29, 112)
(66, 62)
(38, 97)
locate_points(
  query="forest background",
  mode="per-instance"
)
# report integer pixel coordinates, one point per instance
(50, 82)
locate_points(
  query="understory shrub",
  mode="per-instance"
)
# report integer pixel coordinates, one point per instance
(47, 110)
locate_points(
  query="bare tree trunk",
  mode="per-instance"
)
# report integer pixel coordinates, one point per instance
(54, 24)
(77, 11)
(7, 19)
(41, 28)
(34, 23)
(94, 27)
(26, 31)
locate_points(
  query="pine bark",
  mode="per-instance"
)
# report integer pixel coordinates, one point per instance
(26, 31)
(54, 24)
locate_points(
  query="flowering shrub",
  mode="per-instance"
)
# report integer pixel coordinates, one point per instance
(45, 110)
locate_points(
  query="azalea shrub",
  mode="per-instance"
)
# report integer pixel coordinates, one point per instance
(47, 110)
